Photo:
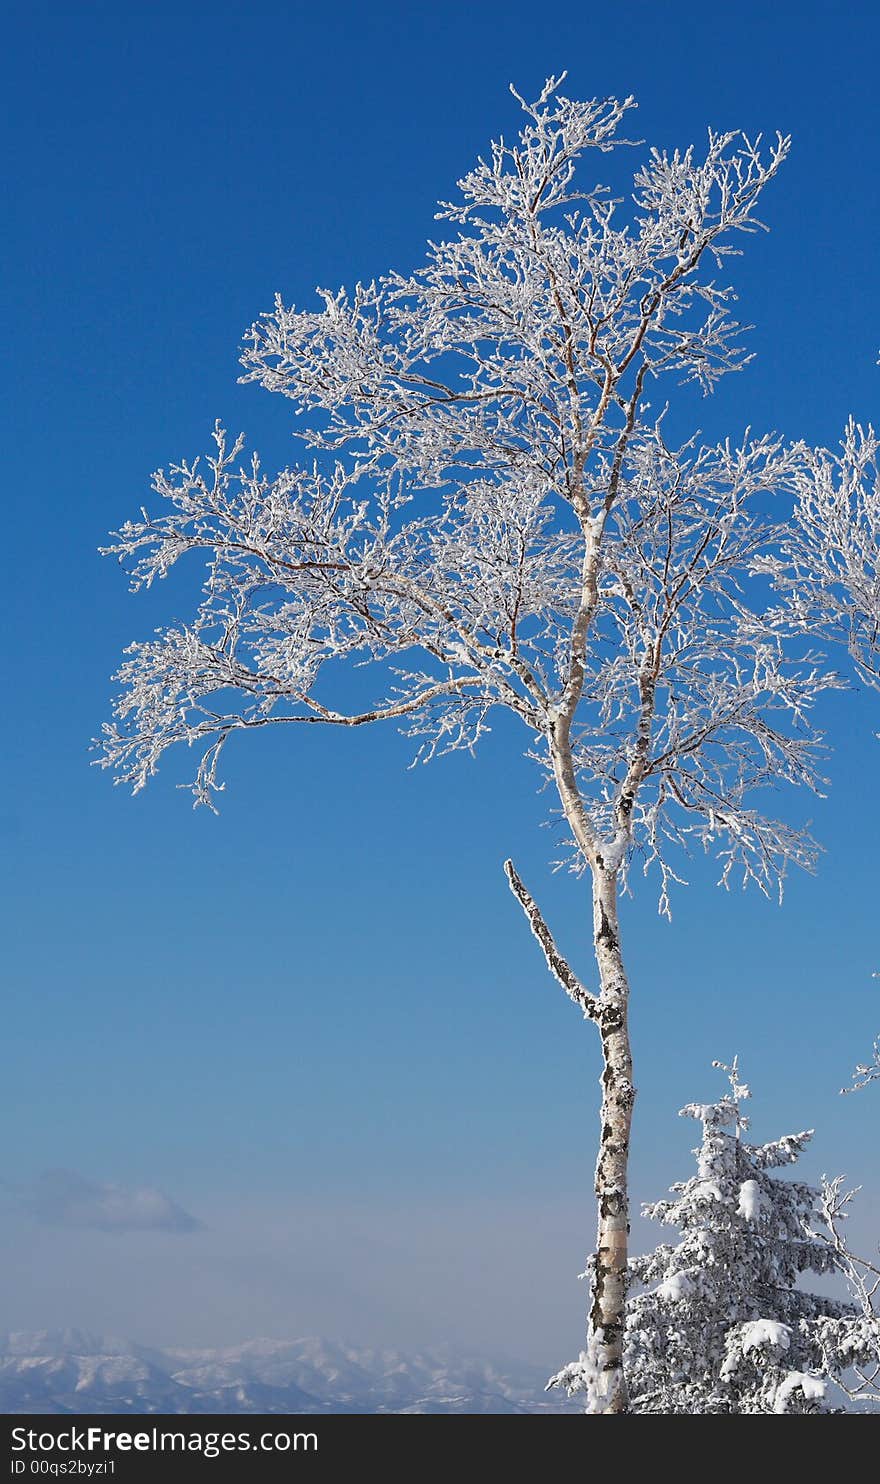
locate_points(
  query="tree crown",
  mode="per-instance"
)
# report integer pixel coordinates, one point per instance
(492, 517)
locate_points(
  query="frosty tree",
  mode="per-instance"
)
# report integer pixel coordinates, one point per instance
(829, 568)
(491, 516)
(720, 1324)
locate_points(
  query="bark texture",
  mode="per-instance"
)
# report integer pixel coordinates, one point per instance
(612, 1191)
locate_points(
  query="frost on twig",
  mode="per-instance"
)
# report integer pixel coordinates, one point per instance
(827, 569)
(865, 1072)
(852, 1343)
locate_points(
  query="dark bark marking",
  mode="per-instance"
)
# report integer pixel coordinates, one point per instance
(606, 933)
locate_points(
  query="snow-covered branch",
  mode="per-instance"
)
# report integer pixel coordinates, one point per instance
(827, 570)
(557, 965)
(690, 696)
(851, 1346)
(866, 1072)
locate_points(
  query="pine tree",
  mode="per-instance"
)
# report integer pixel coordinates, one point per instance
(720, 1324)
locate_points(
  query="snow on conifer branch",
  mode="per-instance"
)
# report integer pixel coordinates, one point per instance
(719, 1323)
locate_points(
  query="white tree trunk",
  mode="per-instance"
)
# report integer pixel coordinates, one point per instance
(612, 1194)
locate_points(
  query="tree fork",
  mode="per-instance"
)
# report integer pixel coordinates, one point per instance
(608, 1010)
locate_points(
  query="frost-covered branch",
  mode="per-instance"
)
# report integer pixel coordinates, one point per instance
(828, 568)
(866, 1072)
(557, 965)
(490, 518)
(852, 1346)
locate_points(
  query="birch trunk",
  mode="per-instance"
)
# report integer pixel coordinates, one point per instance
(606, 1327)
(606, 1320)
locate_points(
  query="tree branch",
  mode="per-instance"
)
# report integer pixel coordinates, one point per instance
(557, 965)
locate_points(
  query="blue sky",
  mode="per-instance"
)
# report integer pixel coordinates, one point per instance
(318, 1022)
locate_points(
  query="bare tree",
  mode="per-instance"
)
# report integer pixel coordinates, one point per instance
(493, 517)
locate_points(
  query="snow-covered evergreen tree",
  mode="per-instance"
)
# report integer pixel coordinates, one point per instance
(721, 1324)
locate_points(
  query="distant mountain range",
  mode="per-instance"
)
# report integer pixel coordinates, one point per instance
(69, 1371)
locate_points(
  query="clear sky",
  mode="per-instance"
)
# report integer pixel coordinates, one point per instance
(317, 1023)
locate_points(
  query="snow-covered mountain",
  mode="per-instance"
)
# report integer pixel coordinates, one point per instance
(69, 1371)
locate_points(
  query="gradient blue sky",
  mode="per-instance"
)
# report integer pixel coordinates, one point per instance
(318, 1022)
